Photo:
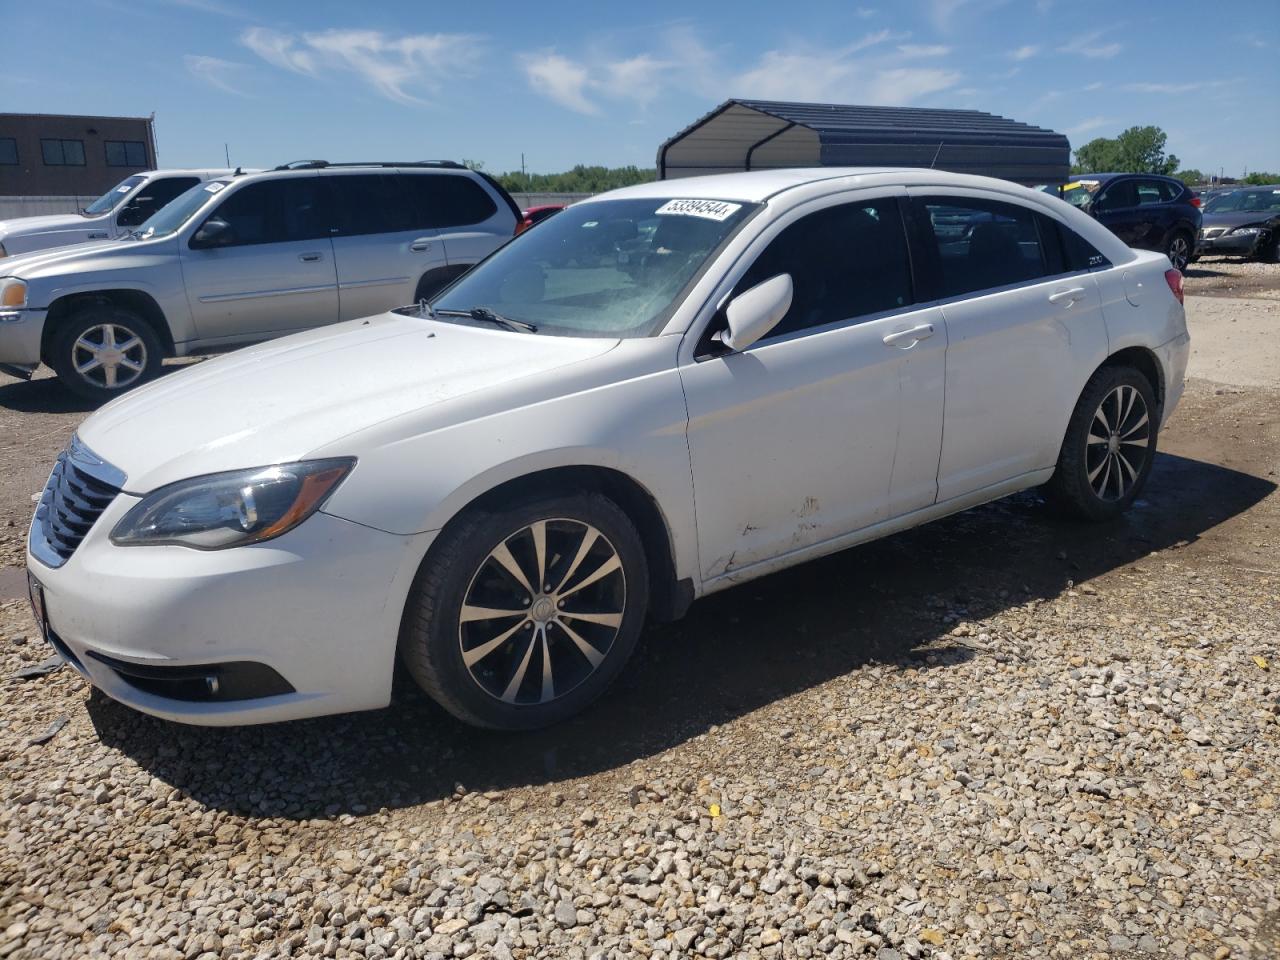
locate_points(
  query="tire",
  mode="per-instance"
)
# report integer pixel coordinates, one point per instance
(124, 345)
(1179, 248)
(1088, 462)
(1271, 252)
(485, 561)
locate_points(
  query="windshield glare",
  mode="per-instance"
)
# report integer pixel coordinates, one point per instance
(1245, 201)
(611, 268)
(109, 200)
(170, 218)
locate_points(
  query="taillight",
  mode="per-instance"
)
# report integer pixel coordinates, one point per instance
(1174, 279)
(1195, 201)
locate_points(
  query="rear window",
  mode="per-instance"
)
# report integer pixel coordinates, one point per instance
(441, 200)
(370, 203)
(982, 244)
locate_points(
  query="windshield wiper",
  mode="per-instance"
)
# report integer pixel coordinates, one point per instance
(488, 316)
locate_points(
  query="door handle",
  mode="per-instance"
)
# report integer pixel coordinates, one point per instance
(908, 338)
(420, 244)
(310, 257)
(1071, 295)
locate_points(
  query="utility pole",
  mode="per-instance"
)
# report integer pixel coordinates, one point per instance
(522, 171)
(226, 151)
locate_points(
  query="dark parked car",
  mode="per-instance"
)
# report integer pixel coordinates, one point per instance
(1243, 223)
(1144, 210)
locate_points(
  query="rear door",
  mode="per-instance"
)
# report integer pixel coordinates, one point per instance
(1021, 327)
(380, 247)
(274, 272)
(1155, 213)
(468, 219)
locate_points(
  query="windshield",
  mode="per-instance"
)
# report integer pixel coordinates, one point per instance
(1245, 201)
(170, 218)
(1078, 193)
(112, 197)
(612, 268)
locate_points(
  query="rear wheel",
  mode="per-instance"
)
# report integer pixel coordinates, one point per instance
(523, 616)
(1178, 250)
(104, 350)
(1109, 447)
(1270, 251)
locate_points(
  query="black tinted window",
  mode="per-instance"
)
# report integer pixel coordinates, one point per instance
(983, 244)
(8, 151)
(126, 153)
(276, 211)
(1078, 252)
(1149, 191)
(845, 261)
(62, 153)
(1120, 194)
(370, 203)
(152, 197)
(447, 200)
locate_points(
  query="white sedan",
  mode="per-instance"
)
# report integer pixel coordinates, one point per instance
(658, 393)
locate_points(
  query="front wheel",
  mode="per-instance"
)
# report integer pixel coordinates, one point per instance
(104, 350)
(522, 616)
(1109, 447)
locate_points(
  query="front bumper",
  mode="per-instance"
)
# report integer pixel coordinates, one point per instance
(20, 332)
(318, 608)
(1229, 244)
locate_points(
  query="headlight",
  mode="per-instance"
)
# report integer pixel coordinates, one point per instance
(231, 509)
(1248, 231)
(13, 292)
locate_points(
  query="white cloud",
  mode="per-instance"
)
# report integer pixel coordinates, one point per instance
(216, 72)
(637, 78)
(560, 79)
(398, 66)
(836, 75)
(1087, 45)
(1084, 126)
(915, 50)
(866, 13)
(211, 6)
(1096, 85)
(1025, 52)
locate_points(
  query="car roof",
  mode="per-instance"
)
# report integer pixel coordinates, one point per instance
(1103, 177)
(207, 173)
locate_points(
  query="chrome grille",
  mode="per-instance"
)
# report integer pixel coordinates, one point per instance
(81, 486)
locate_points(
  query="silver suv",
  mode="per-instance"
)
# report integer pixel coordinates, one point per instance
(244, 258)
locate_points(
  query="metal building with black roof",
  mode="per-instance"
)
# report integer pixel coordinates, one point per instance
(766, 134)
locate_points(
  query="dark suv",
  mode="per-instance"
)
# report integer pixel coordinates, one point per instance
(1142, 209)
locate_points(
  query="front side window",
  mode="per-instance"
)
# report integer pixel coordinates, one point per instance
(448, 200)
(275, 211)
(8, 151)
(612, 268)
(126, 153)
(845, 261)
(982, 244)
(153, 197)
(370, 203)
(62, 153)
(113, 197)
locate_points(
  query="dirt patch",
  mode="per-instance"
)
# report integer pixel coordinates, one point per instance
(1221, 277)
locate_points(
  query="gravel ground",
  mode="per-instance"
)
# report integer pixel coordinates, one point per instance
(1001, 735)
(1223, 277)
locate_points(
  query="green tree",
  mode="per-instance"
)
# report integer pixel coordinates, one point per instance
(581, 179)
(1260, 178)
(1191, 177)
(1137, 150)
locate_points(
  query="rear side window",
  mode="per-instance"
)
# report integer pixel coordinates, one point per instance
(845, 261)
(276, 211)
(370, 203)
(447, 200)
(981, 244)
(1149, 191)
(1079, 253)
(1170, 191)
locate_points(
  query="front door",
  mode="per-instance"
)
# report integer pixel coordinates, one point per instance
(272, 270)
(833, 421)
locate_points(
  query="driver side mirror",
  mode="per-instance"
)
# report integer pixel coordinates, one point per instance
(757, 311)
(215, 232)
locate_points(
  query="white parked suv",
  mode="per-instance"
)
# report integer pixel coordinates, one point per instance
(658, 393)
(244, 258)
(116, 213)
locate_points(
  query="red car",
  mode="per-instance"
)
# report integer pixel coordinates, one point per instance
(537, 215)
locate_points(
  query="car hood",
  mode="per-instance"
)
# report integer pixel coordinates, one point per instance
(282, 400)
(54, 223)
(58, 262)
(1238, 218)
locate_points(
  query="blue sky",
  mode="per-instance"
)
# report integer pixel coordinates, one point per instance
(607, 82)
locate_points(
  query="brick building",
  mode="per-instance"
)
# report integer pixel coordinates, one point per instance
(67, 156)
